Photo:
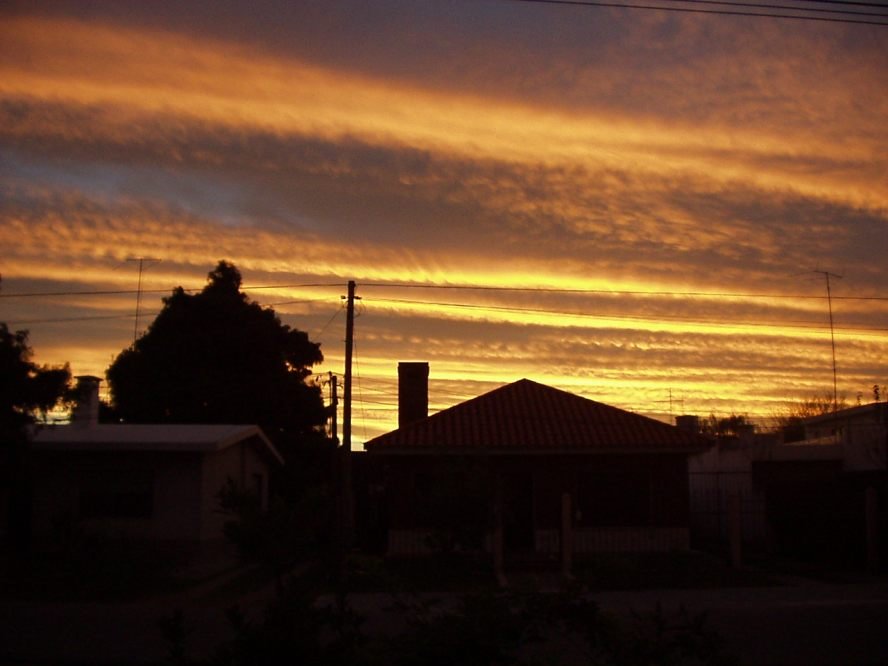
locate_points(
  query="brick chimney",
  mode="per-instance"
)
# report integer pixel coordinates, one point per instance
(86, 409)
(413, 391)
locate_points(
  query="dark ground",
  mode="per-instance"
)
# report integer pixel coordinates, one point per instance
(765, 618)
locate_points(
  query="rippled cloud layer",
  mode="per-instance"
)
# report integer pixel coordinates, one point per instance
(644, 159)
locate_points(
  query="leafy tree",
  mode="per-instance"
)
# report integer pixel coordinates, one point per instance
(25, 389)
(218, 357)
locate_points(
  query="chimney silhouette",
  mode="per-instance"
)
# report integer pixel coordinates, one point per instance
(86, 409)
(688, 423)
(413, 391)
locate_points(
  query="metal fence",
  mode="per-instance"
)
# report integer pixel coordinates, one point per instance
(718, 499)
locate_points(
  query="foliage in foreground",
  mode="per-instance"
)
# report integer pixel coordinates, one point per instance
(483, 629)
(276, 538)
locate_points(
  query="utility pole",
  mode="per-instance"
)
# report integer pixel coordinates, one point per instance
(141, 261)
(832, 335)
(334, 406)
(349, 346)
(345, 449)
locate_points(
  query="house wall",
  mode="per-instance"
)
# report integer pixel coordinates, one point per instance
(861, 431)
(139, 495)
(240, 463)
(637, 502)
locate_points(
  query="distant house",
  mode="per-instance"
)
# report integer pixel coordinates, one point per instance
(827, 494)
(859, 435)
(519, 457)
(822, 494)
(151, 482)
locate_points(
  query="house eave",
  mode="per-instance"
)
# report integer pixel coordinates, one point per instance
(498, 452)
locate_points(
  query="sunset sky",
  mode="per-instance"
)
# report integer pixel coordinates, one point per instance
(639, 200)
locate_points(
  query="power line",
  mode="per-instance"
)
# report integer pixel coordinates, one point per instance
(464, 287)
(127, 292)
(99, 292)
(883, 5)
(329, 321)
(733, 3)
(686, 320)
(721, 12)
(614, 292)
(61, 320)
(792, 323)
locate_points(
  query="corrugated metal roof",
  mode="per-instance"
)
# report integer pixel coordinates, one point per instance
(530, 417)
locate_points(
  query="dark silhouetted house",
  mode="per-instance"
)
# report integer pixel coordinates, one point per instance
(827, 493)
(820, 494)
(513, 459)
(145, 482)
(859, 436)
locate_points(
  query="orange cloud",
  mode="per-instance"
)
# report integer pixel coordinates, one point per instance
(712, 175)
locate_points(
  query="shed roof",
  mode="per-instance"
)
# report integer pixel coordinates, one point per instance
(529, 417)
(183, 438)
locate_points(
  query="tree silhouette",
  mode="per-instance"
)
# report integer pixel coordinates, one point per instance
(218, 357)
(25, 388)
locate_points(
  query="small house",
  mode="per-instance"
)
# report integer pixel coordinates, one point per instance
(527, 463)
(157, 482)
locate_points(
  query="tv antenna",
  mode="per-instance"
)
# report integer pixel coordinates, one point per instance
(142, 261)
(832, 334)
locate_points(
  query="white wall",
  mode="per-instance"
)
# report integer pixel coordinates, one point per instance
(59, 477)
(241, 463)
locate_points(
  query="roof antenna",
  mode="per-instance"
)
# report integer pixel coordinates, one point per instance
(827, 275)
(141, 261)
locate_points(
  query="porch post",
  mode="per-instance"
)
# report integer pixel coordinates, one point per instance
(567, 544)
(498, 555)
(872, 530)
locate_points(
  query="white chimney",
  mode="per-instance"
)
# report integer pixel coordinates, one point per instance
(86, 409)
